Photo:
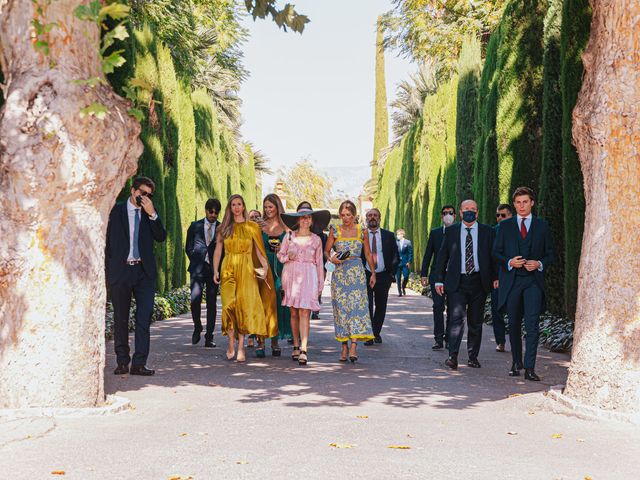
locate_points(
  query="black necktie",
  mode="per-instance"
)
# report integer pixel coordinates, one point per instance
(468, 253)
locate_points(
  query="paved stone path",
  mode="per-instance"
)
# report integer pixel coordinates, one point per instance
(203, 417)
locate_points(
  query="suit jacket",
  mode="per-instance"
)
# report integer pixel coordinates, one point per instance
(406, 252)
(196, 246)
(449, 261)
(507, 246)
(389, 251)
(117, 244)
(433, 247)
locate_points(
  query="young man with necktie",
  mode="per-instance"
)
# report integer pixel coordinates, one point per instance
(405, 250)
(503, 212)
(384, 251)
(524, 251)
(466, 272)
(131, 270)
(200, 246)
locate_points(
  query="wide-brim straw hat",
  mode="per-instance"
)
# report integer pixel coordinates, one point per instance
(321, 219)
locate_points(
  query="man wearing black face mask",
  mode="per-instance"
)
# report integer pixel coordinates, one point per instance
(427, 274)
(466, 272)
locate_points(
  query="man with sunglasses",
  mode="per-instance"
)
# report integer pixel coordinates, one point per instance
(131, 270)
(427, 274)
(200, 245)
(503, 212)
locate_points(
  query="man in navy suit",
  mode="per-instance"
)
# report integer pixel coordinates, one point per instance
(384, 251)
(405, 250)
(524, 251)
(131, 269)
(427, 274)
(503, 212)
(465, 270)
(200, 244)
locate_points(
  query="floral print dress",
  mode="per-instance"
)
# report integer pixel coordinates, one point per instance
(349, 290)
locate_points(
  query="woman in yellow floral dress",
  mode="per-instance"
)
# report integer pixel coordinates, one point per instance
(248, 296)
(348, 282)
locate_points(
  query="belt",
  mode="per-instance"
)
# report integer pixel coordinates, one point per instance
(134, 262)
(468, 275)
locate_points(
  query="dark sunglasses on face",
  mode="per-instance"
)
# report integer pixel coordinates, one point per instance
(211, 212)
(145, 194)
(501, 215)
(448, 213)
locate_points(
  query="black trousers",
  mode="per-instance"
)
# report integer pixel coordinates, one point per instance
(439, 331)
(497, 319)
(466, 304)
(203, 282)
(135, 282)
(524, 302)
(378, 297)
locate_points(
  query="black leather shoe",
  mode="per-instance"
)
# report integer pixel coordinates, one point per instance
(368, 343)
(514, 372)
(209, 344)
(529, 374)
(121, 370)
(500, 347)
(437, 346)
(519, 366)
(404, 292)
(195, 338)
(141, 370)
(473, 363)
(315, 316)
(378, 339)
(452, 363)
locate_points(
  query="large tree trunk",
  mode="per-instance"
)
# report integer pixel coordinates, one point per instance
(59, 176)
(605, 368)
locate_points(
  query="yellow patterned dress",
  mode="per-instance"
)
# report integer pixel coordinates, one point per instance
(248, 303)
(349, 291)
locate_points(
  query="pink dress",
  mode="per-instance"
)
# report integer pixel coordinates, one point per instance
(302, 278)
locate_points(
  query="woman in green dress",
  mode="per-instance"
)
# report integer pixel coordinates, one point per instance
(273, 232)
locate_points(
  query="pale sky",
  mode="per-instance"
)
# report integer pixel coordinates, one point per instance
(312, 95)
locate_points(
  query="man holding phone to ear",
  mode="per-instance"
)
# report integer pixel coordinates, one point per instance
(131, 270)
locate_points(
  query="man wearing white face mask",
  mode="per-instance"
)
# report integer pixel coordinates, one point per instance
(448, 215)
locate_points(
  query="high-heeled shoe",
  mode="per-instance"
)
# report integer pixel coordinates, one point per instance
(294, 355)
(353, 358)
(302, 359)
(345, 352)
(240, 359)
(276, 351)
(230, 357)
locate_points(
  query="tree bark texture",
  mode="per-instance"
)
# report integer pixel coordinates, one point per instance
(59, 177)
(605, 368)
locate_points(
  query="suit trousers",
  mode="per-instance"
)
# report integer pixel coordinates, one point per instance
(133, 281)
(497, 319)
(403, 271)
(466, 304)
(203, 282)
(438, 315)
(524, 302)
(378, 297)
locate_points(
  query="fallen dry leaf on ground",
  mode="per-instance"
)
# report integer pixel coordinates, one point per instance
(588, 478)
(556, 435)
(183, 434)
(581, 440)
(512, 433)
(213, 384)
(342, 445)
(362, 416)
(515, 395)
(58, 472)
(400, 447)
(241, 462)
(180, 477)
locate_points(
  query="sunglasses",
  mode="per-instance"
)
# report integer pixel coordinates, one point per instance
(211, 212)
(145, 194)
(501, 215)
(448, 212)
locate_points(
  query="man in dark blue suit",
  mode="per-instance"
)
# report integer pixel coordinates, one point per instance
(131, 269)
(465, 270)
(199, 246)
(427, 274)
(503, 212)
(524, 251)
(405, 251)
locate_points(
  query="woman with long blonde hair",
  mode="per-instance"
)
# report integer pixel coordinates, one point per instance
(246, 282)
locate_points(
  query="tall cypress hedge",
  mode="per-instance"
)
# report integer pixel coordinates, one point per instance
(469, 69)
(576, 19)
(550, 197)
(519, 113)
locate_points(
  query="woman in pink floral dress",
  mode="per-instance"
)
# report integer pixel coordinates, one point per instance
(303, 274)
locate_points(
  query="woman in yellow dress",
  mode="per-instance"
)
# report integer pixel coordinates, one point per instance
(246, 283)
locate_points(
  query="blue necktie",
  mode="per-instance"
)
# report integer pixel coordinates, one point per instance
(136, 235)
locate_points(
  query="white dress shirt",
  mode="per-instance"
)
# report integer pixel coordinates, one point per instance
(380, 267)
(131, 211)
(463, 250)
